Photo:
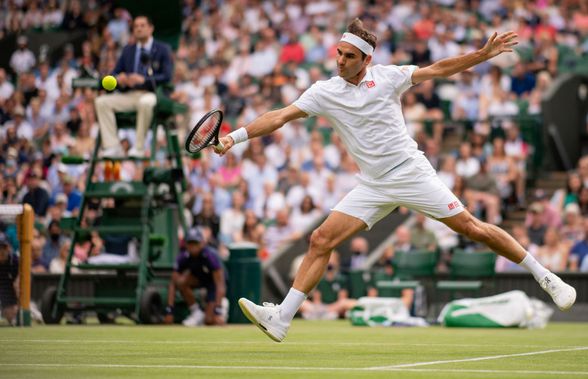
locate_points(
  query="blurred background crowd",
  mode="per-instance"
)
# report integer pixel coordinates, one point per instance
(248, 57)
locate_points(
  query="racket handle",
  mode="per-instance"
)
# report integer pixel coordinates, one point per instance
(219, 146)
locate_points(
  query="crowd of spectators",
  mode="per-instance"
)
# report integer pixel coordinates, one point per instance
(247, 57)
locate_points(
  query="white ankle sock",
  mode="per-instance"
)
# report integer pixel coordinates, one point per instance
(534, 267)
(291, 303)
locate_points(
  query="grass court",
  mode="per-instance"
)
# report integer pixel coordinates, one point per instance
(321, 349)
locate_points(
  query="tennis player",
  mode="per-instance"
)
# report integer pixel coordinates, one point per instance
(363, 105)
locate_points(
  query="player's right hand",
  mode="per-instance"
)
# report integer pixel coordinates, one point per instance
(227, 143)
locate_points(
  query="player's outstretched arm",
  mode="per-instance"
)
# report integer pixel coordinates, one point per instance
(261, 126)
(496, 44)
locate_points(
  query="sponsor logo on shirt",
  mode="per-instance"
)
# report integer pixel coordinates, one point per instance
(370, 84)
(453, 205)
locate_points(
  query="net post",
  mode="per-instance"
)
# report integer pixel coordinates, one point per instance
(25, 223)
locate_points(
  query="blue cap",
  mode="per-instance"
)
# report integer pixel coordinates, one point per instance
(194, 235)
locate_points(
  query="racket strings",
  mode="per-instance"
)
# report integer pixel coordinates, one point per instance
(205, 132)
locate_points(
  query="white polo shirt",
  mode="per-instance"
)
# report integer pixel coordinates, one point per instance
(368, 117)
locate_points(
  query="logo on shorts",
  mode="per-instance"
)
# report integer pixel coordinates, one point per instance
(370, 84)
(453, 205)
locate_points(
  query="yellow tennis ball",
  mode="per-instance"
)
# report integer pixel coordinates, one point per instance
(109, 82)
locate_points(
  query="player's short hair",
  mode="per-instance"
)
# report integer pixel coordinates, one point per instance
(356, 27)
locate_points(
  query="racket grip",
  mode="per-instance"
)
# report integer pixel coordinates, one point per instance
(219, 146)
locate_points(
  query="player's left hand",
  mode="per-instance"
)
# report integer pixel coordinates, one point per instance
(499, 43)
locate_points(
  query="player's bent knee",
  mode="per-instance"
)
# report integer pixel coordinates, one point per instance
(320, 242)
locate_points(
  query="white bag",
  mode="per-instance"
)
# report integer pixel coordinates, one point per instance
(383, 311)
(509, 309)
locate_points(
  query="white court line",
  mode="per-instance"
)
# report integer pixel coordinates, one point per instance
(310, 343)
(407, 365)
(503, 372)
(286, 368)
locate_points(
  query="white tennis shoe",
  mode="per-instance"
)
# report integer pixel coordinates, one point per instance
(267, 318)
(563, 294)
(196, 318)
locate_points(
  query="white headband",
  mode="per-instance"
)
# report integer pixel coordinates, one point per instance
(358, 42)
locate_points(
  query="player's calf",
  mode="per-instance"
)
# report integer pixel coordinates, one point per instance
(502, 243)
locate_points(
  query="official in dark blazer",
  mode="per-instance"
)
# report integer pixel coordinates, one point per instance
(141, 67)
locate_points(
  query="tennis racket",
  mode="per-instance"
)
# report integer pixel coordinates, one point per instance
(205, 132)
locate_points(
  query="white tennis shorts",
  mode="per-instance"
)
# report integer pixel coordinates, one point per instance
(414, 184)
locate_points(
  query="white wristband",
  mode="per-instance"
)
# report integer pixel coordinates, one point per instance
(239, 135)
